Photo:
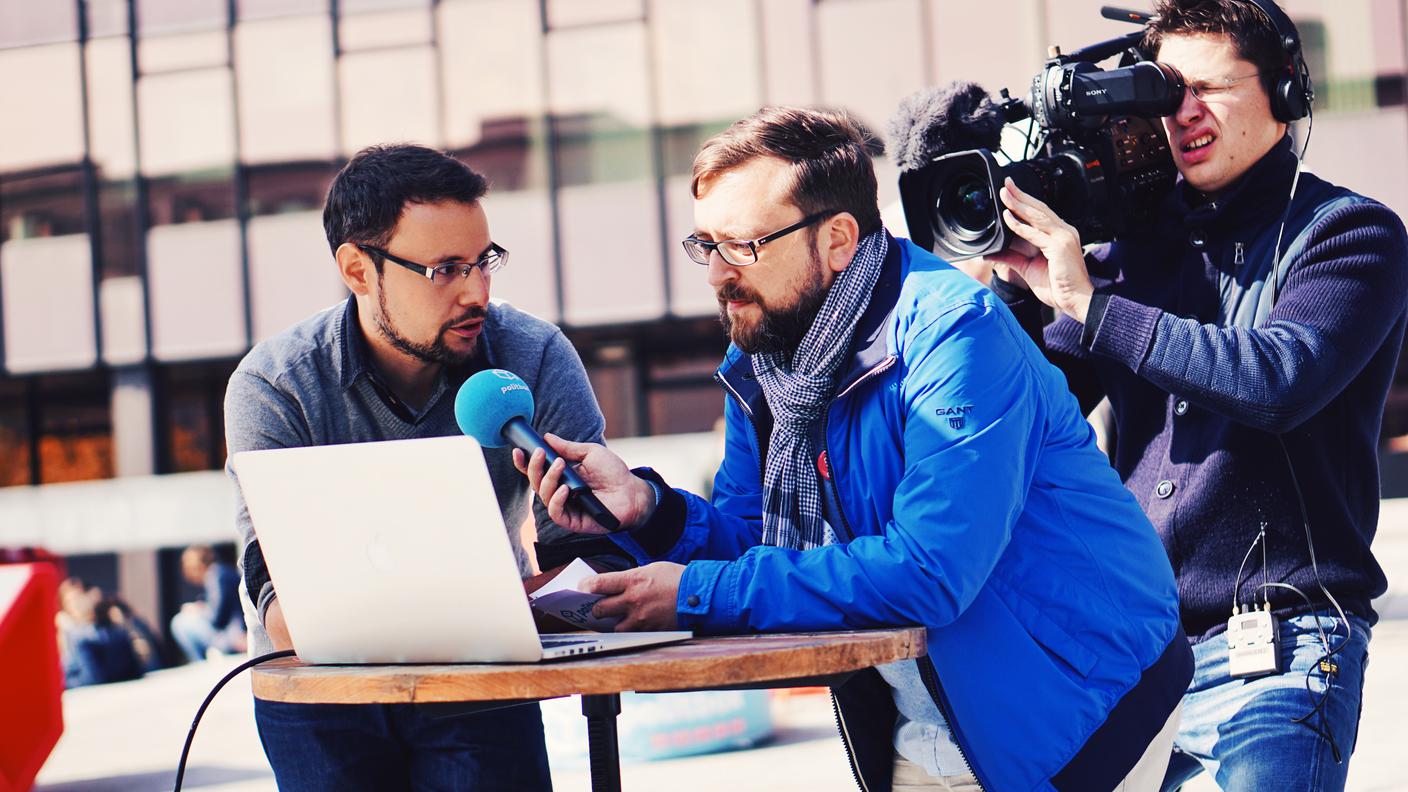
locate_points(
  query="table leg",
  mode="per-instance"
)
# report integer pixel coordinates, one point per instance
(603, 748)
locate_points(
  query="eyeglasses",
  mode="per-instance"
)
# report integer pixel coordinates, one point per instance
(742, 252)
(1203, 90)
(492, 260)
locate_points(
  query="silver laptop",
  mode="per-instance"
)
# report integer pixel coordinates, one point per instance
(396, 552)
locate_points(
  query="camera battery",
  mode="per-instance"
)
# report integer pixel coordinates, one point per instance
(1251, 644)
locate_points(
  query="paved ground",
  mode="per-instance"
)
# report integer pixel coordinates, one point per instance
(127, 737)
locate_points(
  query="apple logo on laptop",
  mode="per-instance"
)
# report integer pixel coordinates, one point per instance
(379, 552)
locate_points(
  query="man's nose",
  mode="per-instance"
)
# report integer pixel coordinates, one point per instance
(720, 271)
(1189, 111)
(474, 290)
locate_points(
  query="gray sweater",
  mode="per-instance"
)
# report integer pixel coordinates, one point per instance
(315, 384)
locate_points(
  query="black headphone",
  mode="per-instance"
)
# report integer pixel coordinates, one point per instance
(1292, 93)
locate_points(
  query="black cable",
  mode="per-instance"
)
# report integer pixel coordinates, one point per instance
(186, 749)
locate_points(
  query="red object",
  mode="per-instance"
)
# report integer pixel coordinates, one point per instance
(823, 466)
(31, 681)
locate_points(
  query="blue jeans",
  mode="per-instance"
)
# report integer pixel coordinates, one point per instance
(375, 747)
(1242, 731)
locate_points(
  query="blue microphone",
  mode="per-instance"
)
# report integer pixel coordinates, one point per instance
(495, 407)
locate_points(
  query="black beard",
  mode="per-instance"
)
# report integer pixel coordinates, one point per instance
(433, 352)
(779, 330)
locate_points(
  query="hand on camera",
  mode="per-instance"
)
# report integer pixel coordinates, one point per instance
(1051, 262)
(620, 491)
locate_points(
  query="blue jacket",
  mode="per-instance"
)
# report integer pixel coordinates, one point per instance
(975, 503)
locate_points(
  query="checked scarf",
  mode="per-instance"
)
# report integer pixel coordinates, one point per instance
(798, 384)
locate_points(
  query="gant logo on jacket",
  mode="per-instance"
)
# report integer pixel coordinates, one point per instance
(957, 415)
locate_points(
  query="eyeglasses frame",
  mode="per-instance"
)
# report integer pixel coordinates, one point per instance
(495, 251)
(753, 244)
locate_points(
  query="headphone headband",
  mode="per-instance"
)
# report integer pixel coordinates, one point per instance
(1291, 94)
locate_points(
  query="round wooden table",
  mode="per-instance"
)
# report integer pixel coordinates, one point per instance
(733, 662)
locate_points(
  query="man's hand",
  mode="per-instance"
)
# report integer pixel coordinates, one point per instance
(620, 491)
(644, 597)
(1052, 263)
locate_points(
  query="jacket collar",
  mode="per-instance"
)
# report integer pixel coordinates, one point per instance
(1248, 200)
(868, 346)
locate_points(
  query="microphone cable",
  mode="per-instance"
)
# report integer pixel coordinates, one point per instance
(190, 736)
(1325, 663)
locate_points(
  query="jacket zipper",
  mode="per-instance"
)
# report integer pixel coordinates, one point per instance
(926, 665)
(846, 743)
(939, 700)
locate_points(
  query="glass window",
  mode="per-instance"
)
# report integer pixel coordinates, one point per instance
(42, 204)
(15, 435)
(517, 220)
(611, 237)
(197, 290)
(292, 274)
(191, 198)
(608, 202)
(601, 72)
(187, 121)
(870, 81)
(123, 314)
(262, 9)
(286, 89)
(288, 187)
(364, 6)
(165, 16)
(178, 52)
(384, 29)
(193, 416)
(37, 23)
(690, 294)
(106, 17)
(389, 95)
(75, 421)
(111, 140)
(572, 13)
(46, 284)
(117, 213)
(43, 118)
(477, 105)
(724, 86)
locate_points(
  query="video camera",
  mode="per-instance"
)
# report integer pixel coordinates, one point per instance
(1101, 162)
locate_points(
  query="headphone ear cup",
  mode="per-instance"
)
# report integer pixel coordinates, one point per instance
(1289, 100)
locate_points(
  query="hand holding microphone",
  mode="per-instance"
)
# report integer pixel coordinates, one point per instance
(495, 407)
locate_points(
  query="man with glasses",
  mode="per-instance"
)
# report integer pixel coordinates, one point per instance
(1246, 345)
(410, 237)
(897, 452)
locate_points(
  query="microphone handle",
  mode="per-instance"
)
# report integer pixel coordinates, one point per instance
(521, 434)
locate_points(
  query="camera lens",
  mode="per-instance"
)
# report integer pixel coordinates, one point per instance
(964, 210)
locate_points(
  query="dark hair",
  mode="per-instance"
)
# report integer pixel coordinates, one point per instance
(1252, 32)
(369, 193)
(829, 150)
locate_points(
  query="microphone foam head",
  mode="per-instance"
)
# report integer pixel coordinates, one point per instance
(938, 121)
(487, 401)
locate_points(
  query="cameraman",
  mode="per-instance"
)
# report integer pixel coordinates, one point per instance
(1233, 403)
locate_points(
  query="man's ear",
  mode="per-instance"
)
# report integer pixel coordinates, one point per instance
(838, 238)
(356, 268)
